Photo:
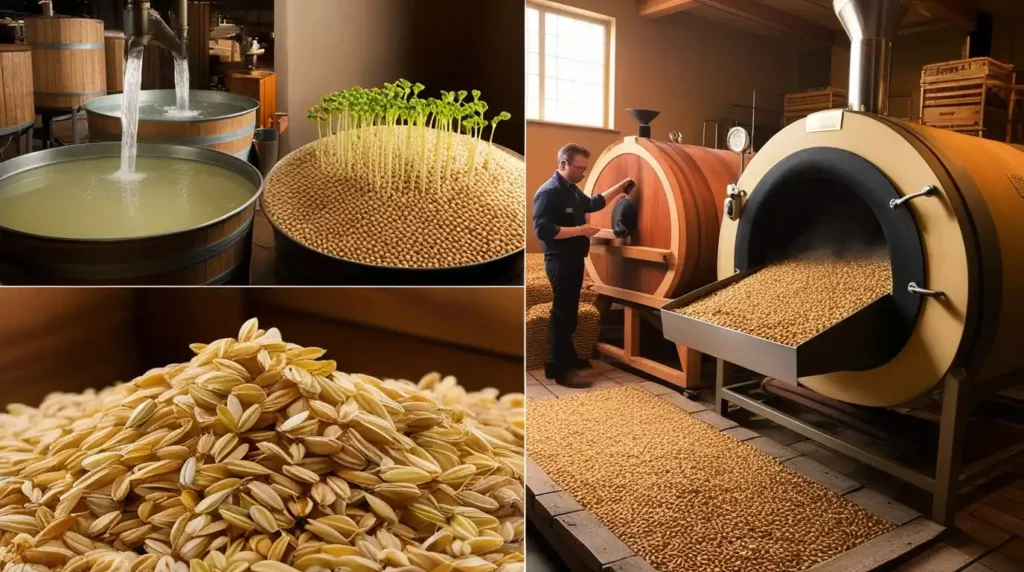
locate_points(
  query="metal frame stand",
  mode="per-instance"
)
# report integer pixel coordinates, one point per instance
(27, 130)
(959, 399)
(50, 116)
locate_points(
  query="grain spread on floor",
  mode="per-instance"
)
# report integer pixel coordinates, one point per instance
(684, 496)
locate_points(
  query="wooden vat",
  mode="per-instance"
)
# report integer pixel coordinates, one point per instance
(230, 132)
(216, 252)
(17, 109)
(68, 63)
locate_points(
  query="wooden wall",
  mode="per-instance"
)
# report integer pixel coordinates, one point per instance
(72, 339)
(64, 339)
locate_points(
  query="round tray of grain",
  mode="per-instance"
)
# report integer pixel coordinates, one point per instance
(379, 201)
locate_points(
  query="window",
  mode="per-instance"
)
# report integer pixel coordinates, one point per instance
(568, 67)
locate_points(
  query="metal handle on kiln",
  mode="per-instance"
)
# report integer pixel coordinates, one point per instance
(915, 289)
(926, 192)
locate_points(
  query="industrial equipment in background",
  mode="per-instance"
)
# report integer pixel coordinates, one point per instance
(946, 208)
(672, 249)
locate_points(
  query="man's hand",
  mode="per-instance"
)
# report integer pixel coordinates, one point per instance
(629, 186)
(588, 230)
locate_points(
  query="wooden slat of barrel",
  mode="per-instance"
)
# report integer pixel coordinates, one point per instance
(191, 133)
(16, 103)
(176, 259)
(68, 60)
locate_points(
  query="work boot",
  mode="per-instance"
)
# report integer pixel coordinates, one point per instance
(574, 379)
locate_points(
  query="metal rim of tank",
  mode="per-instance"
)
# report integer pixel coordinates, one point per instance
(97, 150)
(355, 267)
(113, 101)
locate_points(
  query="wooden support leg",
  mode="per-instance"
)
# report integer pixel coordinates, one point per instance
(956, 409)
(631, 333)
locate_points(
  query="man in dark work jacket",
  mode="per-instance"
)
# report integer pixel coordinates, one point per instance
(559, 220)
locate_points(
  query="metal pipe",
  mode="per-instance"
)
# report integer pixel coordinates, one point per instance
(143, 24)
(871, 25)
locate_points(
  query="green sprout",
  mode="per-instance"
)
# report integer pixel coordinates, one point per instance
(389, 134)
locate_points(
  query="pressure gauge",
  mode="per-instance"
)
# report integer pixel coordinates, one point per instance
(738, 140)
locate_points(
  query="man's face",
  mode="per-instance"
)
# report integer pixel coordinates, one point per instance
(574, 171)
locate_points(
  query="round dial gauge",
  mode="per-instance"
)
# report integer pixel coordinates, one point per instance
(738, 140)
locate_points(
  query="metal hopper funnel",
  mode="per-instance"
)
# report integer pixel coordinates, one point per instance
(644, 117)
(871, 25)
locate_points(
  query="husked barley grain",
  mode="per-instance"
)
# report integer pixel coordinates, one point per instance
(792, 301)
(258, 455)
(684, 496)
(455, 221)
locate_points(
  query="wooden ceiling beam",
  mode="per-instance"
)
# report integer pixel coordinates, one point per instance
(659, 8)
(751, 10)
(958, 13)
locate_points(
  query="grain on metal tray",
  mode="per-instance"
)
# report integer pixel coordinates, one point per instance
(259, 455)
(792, 301)
(685, 497)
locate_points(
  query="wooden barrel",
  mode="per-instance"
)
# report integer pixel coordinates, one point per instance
(679, 200)
(17, 109)
(231, 132)
(68, 65)
(114, 50)
(217, 252)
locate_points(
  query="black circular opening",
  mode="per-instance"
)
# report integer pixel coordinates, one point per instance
(831, 202)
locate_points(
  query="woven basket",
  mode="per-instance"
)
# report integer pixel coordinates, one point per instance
(538, 345)
(538, 287)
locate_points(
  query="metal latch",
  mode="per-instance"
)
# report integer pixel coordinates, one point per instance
(913, 288)
(926, 192)
(734, 201)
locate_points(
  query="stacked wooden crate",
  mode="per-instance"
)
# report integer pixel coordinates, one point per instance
(972, 96)
(796, 106)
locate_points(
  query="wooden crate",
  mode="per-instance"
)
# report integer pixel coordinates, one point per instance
(796, 106)
(974, 96)
(975, 68)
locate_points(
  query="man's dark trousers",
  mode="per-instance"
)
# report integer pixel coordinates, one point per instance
(565, 271)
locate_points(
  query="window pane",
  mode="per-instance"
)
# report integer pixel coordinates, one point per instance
(532, 19)
(574, 79)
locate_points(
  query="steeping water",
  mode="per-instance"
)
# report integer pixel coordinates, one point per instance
(130, 114)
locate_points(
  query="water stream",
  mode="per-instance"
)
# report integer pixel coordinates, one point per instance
(181, 81)
(130, 115)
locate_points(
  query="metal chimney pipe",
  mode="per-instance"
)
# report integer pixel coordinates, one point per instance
(871, 25)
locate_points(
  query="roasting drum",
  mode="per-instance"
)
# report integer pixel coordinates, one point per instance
(679, 198)
(970, 233)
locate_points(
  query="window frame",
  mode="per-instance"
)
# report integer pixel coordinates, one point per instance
(608, 23)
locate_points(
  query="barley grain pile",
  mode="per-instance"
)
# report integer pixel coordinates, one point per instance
(684, 496)
(792, 301)
(436, 218)
(258, 455)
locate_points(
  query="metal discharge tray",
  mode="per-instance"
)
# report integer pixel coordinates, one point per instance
(866, 339)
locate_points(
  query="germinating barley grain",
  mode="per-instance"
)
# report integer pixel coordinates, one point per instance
(792, 301)
(458, 220)
(258, 455)
(684, 496)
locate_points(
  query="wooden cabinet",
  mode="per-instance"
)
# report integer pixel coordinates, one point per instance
(260, 85)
